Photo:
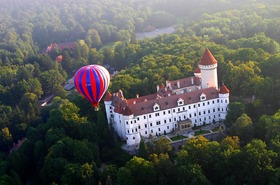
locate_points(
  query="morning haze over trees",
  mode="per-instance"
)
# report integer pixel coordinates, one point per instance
(67, 142)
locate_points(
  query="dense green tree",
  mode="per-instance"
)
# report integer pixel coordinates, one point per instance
(235, 109)
(243, 128)
(142, 171)
(143, 150)
(162, 145)
(259, 161)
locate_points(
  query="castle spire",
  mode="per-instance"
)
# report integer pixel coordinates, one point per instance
(207, 58)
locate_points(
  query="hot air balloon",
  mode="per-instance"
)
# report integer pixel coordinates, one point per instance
(92, 81)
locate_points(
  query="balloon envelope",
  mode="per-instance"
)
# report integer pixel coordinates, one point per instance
(92, 81)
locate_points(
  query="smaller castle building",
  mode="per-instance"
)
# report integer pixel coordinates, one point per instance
(177, 105)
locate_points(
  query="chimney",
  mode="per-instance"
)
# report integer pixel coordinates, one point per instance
(167, 83)
(178, 84)
(157, 88)
(134, 102)
(121, 93)
(192, 81)
(137, 95)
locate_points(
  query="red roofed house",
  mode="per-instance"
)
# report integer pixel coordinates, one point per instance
(197, 98)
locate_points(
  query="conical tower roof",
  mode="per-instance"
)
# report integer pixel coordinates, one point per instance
(207, 58)
(223, 89)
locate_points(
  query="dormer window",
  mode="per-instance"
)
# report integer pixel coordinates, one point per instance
(156, 107)
(180, 102)
(202, 97)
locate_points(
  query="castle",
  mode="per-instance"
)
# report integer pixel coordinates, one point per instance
(195, 100)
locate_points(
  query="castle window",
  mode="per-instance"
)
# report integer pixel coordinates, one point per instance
(156, 107)
(163, 112)
(167, 127)
(127, 122)
(170, 120)
(202, 97)
(225, 101)
(158, 122)
(180, 102)
(158, 129)
(208, 103)
(152, 131)
(165, 121)
(193, 106)
(145, 125)
(208, 111)
(144, 117)
(157, 114)
(169, 112)
(194, 114)
(138, 118)
(134, 121)
(128, 131)
(189, 107)
(213, 102)
(151, 124)
(190, 115)
(218, 109)
(203, 104)
(139, 127)
(146, 132)
(221, 101)
(150, 115)
(198, 105)
(178, 109)
(133, 138)
(214, 110)
(173, 110)
(218, 101)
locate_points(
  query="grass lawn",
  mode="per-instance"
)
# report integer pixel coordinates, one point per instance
(201, 132)
(198, 127)
(216, 129)
(179, 137)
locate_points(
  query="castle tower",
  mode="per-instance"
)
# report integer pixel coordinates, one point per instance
(224, 101)
(208, 66)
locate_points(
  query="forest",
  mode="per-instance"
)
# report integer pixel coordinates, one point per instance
(68, 142)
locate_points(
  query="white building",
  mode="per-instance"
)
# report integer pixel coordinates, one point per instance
(196, 98)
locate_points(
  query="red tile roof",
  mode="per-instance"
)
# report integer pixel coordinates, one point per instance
(197, 70)
(207, 58)
(127, 111)
(223, 89)
(144, 104)
(108, 96)
(59, 58)
(185, 82)
(171, 101)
